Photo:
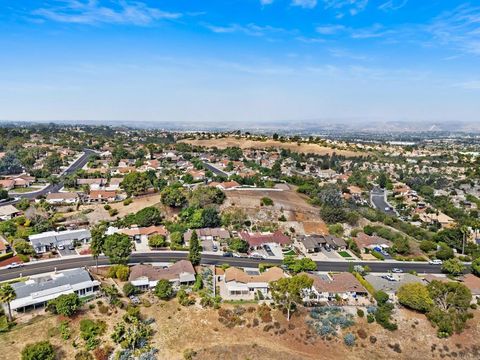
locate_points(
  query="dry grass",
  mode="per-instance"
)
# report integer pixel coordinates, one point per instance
(178, 328)
(253, 144)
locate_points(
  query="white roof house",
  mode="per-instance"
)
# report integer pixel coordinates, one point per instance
(36, 292)
(52, 239)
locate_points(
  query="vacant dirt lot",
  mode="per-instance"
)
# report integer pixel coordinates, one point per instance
(253, 144)
(178, 329)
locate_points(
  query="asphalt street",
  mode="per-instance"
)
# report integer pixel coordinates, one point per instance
(378, 197)
(45, 266)
(52, 188)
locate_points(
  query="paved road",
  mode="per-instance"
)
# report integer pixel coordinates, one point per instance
(75, 262)
(214, 169)
(52, 188)
(378, 199)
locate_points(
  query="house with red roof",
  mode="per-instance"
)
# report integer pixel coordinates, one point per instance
(256, 240)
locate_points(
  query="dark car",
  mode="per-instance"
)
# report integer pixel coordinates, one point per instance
(227, 254)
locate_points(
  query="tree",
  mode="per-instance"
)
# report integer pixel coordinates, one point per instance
(451, 303)
(111, 292)
(23, 247)
(148, 216)
(445, 252)
(97, 242)
(476, 267)
(382, 180)
(7, 295)
(164, 289)
(239, 245)
(299, 265)
(194, 254)
(129, 289)
(156, 241)
(210, 217)
(428, 245)
(65, 305)
(42, 350)
(135, 183)
(401, 245)
(287, 292)
(118, 248)
(332, 215)
(9, 164)
(174, 196)
(53, 162)
(415, 296)
(453, 266)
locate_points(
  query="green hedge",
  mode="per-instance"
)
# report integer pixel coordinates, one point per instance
(378, 255)
(6, 256)
(365, 283)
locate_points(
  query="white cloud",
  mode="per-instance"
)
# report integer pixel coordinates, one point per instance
(352, 6)
(306, 4)
(392, 5)
(91, 12)
(330, 29)
(249, 29)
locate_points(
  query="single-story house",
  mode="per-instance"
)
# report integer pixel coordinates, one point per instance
(146, 276)
(7, 184)
(63, 198)
(114, 184)
(473, 283)
(239, 284)
(315, 243)
(256, 240)
(137, 232)
(208, 234)
(8, 212)
(49, 240)
(102, 196)
(94, 184)
(4, 245)
(364, 241)
(37, 291)
(329, 287)
(226, 185)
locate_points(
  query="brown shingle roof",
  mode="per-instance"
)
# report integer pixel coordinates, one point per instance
(238, 275)
(157, 273)
(337, 283)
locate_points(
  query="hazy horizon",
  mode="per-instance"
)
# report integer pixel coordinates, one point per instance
(240, 61)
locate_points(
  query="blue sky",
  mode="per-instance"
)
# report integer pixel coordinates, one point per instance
(240, 60)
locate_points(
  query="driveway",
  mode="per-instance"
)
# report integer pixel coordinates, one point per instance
(379, 201)
(67, 252)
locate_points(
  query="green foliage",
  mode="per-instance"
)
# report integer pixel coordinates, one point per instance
(287, 292)
(148, 216)
(381, 297)
(453, 266)
(157, 241)
(23, 247)
(365, 283)
(174, 196)
(90, 331)
(136, 183)
(234, 218)
(296, 266)
(66, 305)
(476, 267)
(445, 252)
(23, 204)
(378, 255)
(266, 201)
(164, 289)
(336, 229)
(332, 215)
(65, 330)
(129, 289)
(184, 299)
(118, 248)
(119, 272)
(42, 350)
(450, 310)
(239, 245)
(194, 254)
(415, 296)
(204, 196)
(428, 245)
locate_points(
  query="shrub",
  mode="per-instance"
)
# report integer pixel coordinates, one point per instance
(164, 289)
(266, 201)
(378, 255)
(42, 350)
(349, 339)
(113, 212)
(129, 289)
(360, 313)
(415, 296)
(120, 272)
(127, 202)
(65, 331)
(370, 318)
(107, 207)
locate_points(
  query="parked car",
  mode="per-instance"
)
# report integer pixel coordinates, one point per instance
(397, 270)
(61, 247)
(14, 265)
(71, 247)
(435, 262)
(257, 256)
(214, 248)
(389, 277)
(227, 254)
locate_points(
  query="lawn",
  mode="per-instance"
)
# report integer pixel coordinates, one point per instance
(344, 254)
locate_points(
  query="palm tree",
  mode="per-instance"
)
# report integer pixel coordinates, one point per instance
(96, 244)
(7, 295)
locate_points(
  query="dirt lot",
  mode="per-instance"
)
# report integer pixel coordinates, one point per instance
(252, 144)
(178, 329)
(292, 205)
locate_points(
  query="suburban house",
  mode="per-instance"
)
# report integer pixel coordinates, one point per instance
(256, 240)
(444, 220)
(8, 212)
(114, 184)
(4, 245)
(208, 234)
(473, 283)
(37, 291)
(62, 198)
(226, 185)
(315, 243)
(239, 284)
(146, 276)
(7, 184)
(93, 184)
(197, 175)
(49, 240)
(137, 233)
(371, 242)
(331, 287)
(102, 196)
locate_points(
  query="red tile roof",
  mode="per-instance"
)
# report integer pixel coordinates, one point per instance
(256, 239)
